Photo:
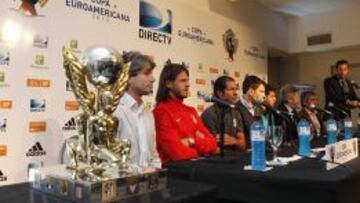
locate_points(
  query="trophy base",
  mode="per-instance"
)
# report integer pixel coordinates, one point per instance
(60, 182)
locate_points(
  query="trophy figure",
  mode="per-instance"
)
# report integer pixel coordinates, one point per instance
(95, 148)
(96, 168)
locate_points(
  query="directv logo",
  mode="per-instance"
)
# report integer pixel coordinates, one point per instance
(41, 41)
(37, 105)
(3, 124)
(156, 20)
(4, 58)
(70, 125)
(3, 178)
(36, 150)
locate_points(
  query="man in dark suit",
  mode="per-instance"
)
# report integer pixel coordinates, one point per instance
(340, 91)
(290, 104)
(309, 103)
(253, 95)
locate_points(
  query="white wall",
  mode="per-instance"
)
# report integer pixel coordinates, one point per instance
(342, 23)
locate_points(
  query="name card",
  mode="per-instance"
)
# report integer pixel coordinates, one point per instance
(341, 152)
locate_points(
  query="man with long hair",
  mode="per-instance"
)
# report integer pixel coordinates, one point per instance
(181, 133)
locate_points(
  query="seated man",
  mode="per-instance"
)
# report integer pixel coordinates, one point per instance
(309, 102)
(270, 118)
(137, 122)
(290, 104)
(249, 105)
(226, 90)
(180, 131)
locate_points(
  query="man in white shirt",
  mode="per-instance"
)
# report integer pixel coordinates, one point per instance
(136, 122)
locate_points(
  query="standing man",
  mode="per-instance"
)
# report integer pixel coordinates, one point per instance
(181, 133)
(226, 90)
(339, 91)
(137, 122)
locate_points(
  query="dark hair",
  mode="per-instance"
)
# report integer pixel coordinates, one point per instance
(287, 91)
(251, 82)
(341, 62)
(305, 96)
(168, 73)
(221, 84)
(268, 89)
(137, 62)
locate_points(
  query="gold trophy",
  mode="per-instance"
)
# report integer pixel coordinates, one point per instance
(96, 168)
(95, 148)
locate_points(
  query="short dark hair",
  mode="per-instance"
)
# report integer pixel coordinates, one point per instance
(287, 91)
(221, 84)
(305, 96)
(137, 62)
(168, 73)
(268, 89)
(251, 82)
(341, 62)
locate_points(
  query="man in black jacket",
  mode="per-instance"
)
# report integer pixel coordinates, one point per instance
(249, 104)
(339, 91)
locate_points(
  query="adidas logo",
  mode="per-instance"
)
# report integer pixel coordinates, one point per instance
(70, 124)
(3, 124)
(36, 150)
(2, 177)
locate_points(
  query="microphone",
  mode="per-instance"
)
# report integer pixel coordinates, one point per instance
(324, 111)
(208, 98)
(353, 83)
(331, 105)
(278, 112)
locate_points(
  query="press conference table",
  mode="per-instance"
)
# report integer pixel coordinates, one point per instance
(303, 181)
(178, 191)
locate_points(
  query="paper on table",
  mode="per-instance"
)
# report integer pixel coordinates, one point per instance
(248, 168)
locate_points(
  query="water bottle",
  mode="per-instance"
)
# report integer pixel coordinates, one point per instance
(257, 133)
(304, 132)
(331, 130)
(347, 128)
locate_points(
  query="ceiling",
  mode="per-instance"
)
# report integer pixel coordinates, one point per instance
(306, 7)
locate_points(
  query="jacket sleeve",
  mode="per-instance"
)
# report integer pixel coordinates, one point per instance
(206, 145)
(330, 93)
(169, 138)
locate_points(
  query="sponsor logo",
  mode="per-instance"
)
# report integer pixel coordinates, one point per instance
(3, 150)
(212, 82)
(37, 105)
(39, 62)
(3, 177)
(255, 52)
(30, 8)
(237, 74)
(38, 126)
(68, 86)
(3, 125)
(71, 106)
(156, 25)
(6, 104)
(99, 9)
(230, 43)
(4, 58)
(200, 68)
(3, 83)
(214, 70)
(41, 41)
(70, 125)
(199, 81)
(31, 82)
(196, 35)
(226, 72)
(36, 150)
(200, 108)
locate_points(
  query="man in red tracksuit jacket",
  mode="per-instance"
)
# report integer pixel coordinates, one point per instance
(181, 133)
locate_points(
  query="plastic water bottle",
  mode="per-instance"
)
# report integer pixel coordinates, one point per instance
(331, 129)
(257, 133)
(304, 132)
(347, 128)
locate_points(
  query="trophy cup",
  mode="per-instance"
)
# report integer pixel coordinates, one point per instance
(96, 168)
